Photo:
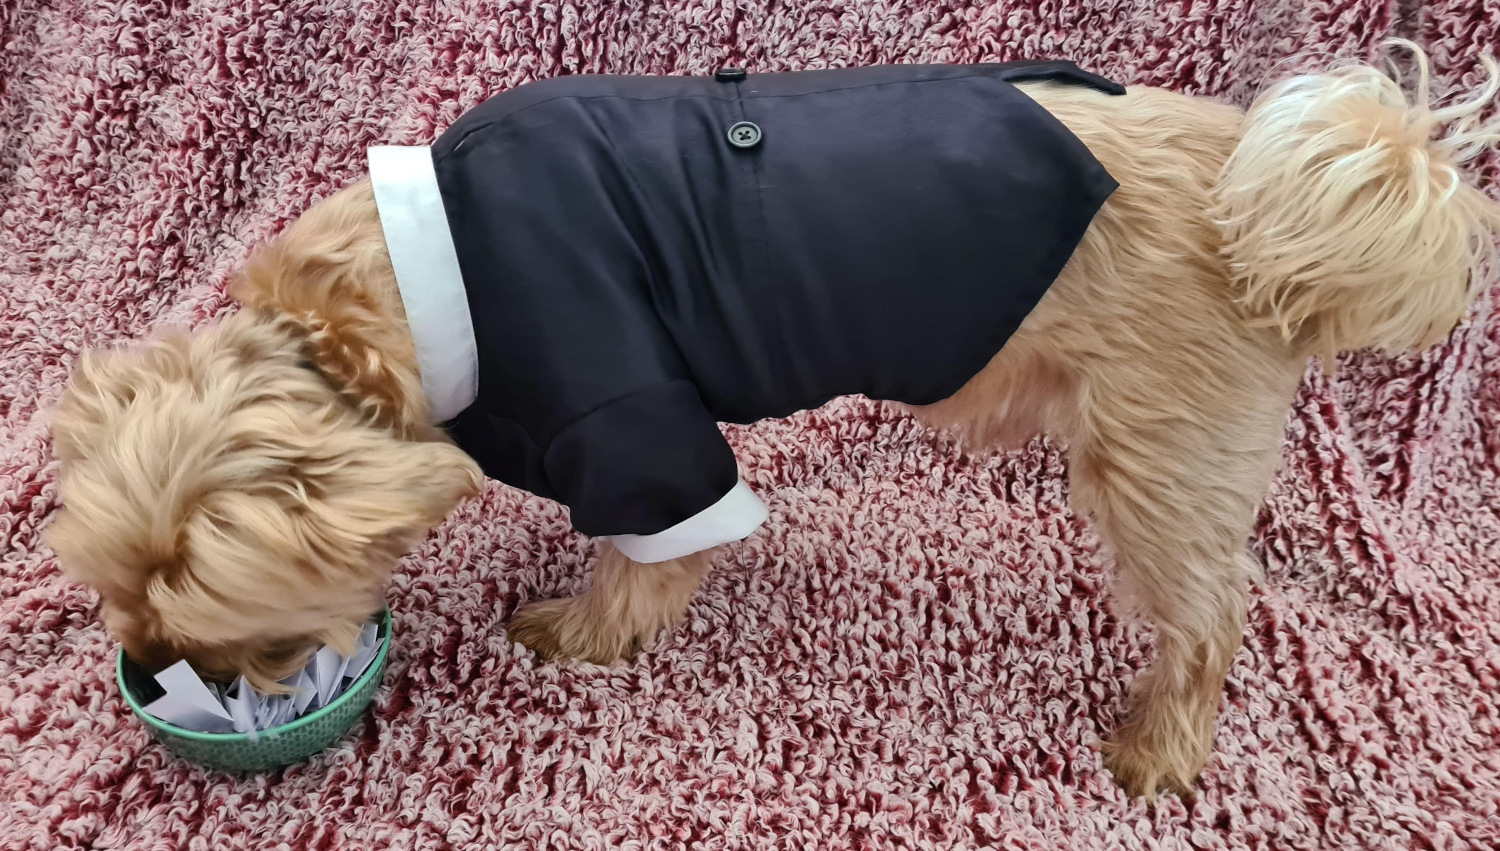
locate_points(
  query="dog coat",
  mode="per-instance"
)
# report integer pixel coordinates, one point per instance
(597, 270)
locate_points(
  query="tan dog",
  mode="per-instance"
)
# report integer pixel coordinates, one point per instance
(242, 494)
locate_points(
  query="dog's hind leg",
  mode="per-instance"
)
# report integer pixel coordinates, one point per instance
(1173, 478)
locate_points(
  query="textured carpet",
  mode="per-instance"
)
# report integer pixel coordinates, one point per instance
(918, 651)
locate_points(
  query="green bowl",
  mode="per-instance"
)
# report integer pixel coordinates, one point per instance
(270, 749)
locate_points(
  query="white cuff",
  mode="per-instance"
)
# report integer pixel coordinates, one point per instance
(732, 518)
(427, 274)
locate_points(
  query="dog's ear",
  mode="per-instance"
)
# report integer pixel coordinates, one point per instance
(111, 526)
(103, 384)
(355, 494)
(330, 276)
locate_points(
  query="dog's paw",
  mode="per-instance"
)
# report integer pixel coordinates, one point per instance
(537, 626)
(1144, 766)
(559, 630)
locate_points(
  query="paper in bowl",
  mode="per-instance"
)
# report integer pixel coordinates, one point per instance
(316, 724)
(192, 704)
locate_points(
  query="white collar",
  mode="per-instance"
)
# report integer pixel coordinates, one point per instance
(427, 274)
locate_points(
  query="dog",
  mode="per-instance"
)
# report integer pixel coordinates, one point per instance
(239, 495)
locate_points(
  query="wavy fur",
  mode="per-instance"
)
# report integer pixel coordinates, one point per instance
(1347, 221)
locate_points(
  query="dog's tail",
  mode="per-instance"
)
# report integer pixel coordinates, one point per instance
(1347, 223)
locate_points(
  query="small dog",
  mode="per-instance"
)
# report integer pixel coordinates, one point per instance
(240, 495)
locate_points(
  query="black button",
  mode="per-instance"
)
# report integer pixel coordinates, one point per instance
(744, 134)
(730, 75)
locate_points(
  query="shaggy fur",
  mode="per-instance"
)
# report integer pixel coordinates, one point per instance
(239, 495)
(230, 506)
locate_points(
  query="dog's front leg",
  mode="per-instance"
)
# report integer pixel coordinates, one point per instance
(626, 605)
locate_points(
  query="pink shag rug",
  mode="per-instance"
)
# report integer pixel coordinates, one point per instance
(919, 650)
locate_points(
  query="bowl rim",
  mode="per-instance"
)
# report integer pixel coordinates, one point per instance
(376, 666)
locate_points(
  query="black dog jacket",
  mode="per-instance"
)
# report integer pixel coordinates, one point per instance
(598, 269)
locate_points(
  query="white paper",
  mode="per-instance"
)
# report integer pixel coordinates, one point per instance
(364, 652)
(306, 691)
(192, 704)
(326, 670)
(286, 712)
(244, 706)
(274, 710)
(174, 710)
(181, 681)
(189, 702)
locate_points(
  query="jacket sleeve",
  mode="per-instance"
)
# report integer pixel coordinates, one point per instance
(652, 472)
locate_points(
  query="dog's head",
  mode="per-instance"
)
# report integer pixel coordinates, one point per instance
(241, 495)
